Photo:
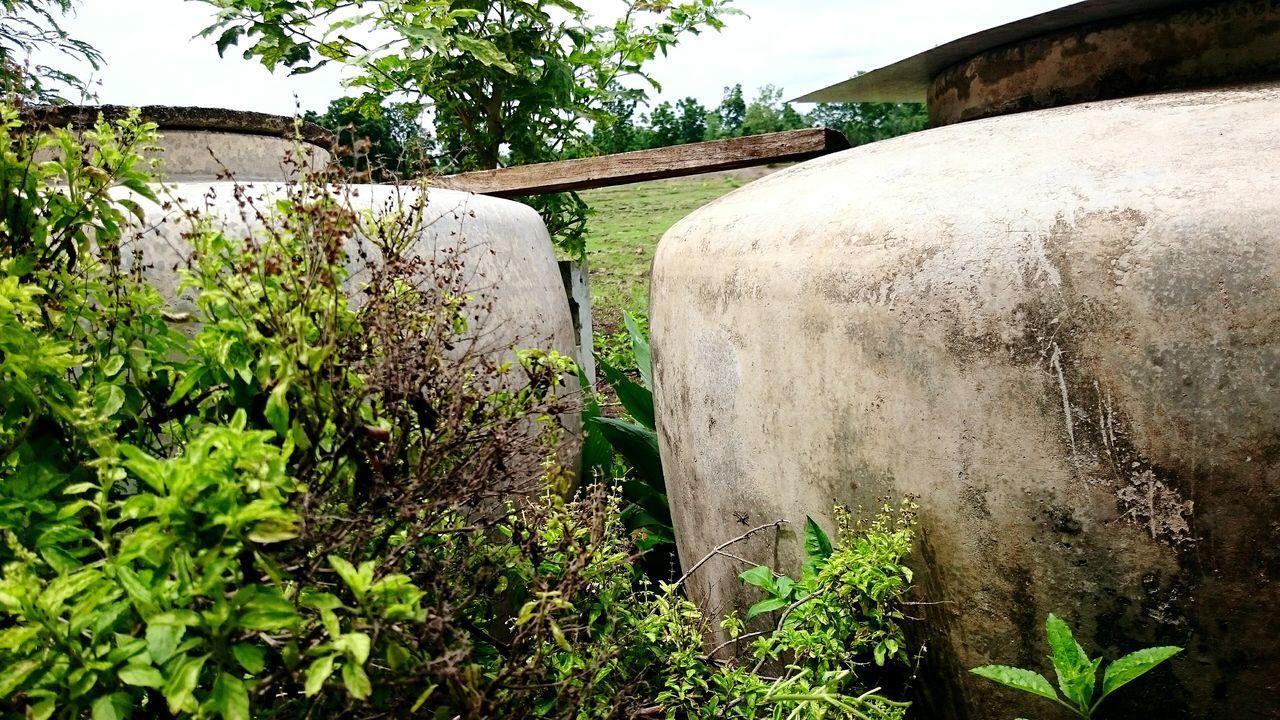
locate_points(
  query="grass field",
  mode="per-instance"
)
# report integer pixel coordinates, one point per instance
(624, 231)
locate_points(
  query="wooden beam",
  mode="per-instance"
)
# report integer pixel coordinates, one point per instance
(631, 167)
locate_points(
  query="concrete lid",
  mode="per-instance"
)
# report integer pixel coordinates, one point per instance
(908, 80)
(185, 118)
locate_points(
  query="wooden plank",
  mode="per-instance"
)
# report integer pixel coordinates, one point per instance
(641, 165)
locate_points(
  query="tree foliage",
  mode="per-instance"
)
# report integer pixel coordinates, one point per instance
(377, 141)
(510, 81)
(30, 26)
(688, 121)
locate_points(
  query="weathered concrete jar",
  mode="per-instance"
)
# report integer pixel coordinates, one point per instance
(507, 254)
(1060, 328)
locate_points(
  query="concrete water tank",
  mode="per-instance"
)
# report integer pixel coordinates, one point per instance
(1054, 317)
(507, 255)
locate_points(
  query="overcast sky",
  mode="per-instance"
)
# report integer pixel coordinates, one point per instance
(798, 45)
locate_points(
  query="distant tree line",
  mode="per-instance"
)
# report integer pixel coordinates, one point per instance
(384, 142)
(688, 121)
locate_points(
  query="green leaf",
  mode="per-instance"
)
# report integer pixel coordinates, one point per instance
(251, 657)
(356, 645)
(277, 410)
(817, 546)
(273, 531)
(186, 385)
(182, 683)
(597, 453)
(141, 676)
(357, 682)
(319, 671)
(1018, 679)
(1077, 674)
(417, 705)
(637, 400)
(1133, 665)
(16, 674)
(162, 641)
(484, 51)
(113, 365)
(230, 697)
(639, 445)
(639, 348)
(263, 608)
(116, 706)
(146, 468)
(760, 576)
(764, 606)
(108, 399)
(357, 580)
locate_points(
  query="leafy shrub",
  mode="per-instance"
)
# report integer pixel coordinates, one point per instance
(310, 503)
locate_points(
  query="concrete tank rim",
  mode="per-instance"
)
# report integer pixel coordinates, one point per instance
(189, 118)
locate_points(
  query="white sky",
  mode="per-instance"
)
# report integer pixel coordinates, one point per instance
(798, 45)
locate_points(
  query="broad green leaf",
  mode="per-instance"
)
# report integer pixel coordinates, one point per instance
(817, 546)
(230, 697)
(319, 671)
(108, 399)
(162, 640)
(357, 580)
(639, 348)
(263, 608)
(764, 606)
(760, 576)
(186, 385)
(112, 365)
(16, 674)
(356, 645)
(1077, 674)
(597, 453)
(484, 51)
(116, 706)
(1133, 665)
(652, 501)
(273, 531)
(251, 657)
(141, 676)
(277, 410)
(357, 682)
(1018, 679)
(639, 445)
(182, 683)
(145, 467)
(15, 637)
(636, 399)
(783, 586)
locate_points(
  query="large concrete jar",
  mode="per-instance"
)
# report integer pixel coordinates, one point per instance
(1059, 328)
(230, 166)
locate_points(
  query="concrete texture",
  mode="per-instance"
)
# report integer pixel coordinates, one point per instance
(204, 144)
(1202, 46)
(1061, 330)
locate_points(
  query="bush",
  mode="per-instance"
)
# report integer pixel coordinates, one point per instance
(309, 503)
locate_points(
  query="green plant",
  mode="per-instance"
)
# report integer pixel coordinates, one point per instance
(635, 439)
(31, 26)
(510, 82)
(846, 604)
(1077, 673)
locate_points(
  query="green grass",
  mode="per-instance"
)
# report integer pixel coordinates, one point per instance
(624, 231)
